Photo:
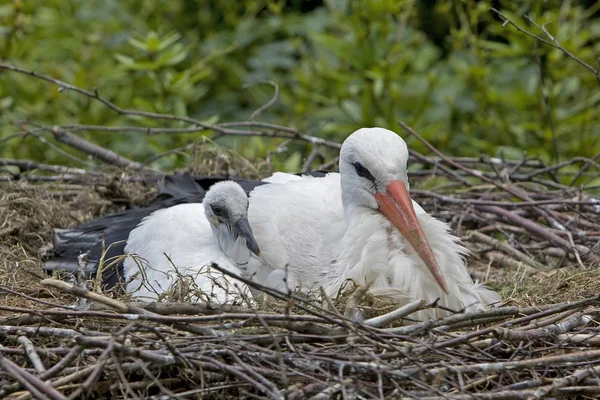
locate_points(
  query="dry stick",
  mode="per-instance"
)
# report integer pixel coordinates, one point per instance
(554, 42)
(29, 165)
(570, 380)
(146, 355)
(47, 303)
(39, 389)
(103, 154)
(531, 226)
(32, 354)
(530, 312)
(220, 129)
(542, 333)
(149, 374)
(282, 132)
(507, 261)
(585, 168)
(510, 394)
(156, 131)
(436, 163)
(37, 134)
(190, 308)
(328, 315)
(382, 320)
(259, 124)
(563, 339)
(236, 372)
(483, 238)
(461, 201)
(96, 372)
(44, 331)
(586, 339)
(81, 292)
(178, 150)
(329, 164)
(522, 320)
(541, 231)
(74, 374)
(561, 48)
(63, 363)
(260, 378)
(518, 365)
(249, 314)
(314, 153)
(329, 391)
(269, 103)
(122, 307)
(588, 162)
(551, 320)
(48, 374)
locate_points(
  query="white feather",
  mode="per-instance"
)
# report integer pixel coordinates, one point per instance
(178, 241)
(283, 177)
(303, 225)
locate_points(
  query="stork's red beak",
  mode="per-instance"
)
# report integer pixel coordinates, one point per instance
(397, 206)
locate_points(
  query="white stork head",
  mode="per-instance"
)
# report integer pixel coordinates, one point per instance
(373, 163)
(226, 208)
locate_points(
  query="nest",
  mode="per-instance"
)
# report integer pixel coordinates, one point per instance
(532, 236)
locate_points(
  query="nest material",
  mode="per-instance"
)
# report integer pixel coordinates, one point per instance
(538, 253)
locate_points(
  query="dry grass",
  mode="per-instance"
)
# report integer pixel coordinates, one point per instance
(210, 159)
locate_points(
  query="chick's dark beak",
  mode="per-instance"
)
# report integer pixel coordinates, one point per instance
(243, 229)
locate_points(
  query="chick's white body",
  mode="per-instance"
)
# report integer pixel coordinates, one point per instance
(180, 242)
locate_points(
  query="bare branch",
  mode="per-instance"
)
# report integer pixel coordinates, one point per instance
(553, 42)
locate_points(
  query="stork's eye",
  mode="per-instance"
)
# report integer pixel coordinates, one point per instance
(363, 172)
(219, 212)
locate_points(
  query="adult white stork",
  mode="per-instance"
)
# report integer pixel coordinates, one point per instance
(184, 240)
(361, 224)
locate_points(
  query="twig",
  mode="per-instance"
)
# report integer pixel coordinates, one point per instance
(29, 165)
(81, 292)
(542, 333)
(103, 154)
(553, 43)
(572, 379)
(483, 238)
(506, 204)
(32, 354)
(514, 191)
(519, 365)
(220, 129)
(395, 315)
(39, 389)
(542, 232)
(269, 103)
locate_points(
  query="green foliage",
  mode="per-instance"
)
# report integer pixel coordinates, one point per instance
(449, 69)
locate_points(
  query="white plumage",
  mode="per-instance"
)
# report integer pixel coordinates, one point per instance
(184, 240)
(348, 226)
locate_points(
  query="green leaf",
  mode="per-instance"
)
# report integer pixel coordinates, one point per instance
(169, 40)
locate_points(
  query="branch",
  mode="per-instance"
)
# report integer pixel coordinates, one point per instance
(223, 130)
(553, 43)
(28, 165)
(40, 389)
(103, 154)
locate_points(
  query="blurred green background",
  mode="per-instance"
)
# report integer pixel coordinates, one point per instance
(450, 69)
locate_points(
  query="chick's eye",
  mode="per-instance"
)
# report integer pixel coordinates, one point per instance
(363, 172)
(218, 211)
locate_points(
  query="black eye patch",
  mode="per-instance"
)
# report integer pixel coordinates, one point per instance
(218, 211)
(363, 172)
